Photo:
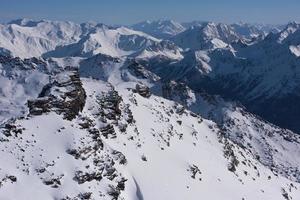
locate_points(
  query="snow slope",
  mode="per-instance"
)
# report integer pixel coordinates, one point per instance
(105, 112)
(104, 152)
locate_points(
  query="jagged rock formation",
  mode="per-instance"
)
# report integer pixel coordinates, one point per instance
(63, 95)
(143, 90)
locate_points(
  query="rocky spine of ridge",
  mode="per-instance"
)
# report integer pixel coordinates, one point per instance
(64, 94)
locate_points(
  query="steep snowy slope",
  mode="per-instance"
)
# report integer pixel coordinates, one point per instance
(121, 132)
(276, 148)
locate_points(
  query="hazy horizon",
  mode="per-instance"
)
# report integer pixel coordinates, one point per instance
(134, 11)
(160, 19)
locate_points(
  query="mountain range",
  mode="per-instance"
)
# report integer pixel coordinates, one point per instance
(155, 110)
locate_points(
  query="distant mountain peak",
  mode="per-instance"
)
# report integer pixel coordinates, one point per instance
(290, 28)
(26, 22)
(162, 29)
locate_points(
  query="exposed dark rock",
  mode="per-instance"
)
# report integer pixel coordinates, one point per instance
(26, 64)
(85, 196)
(229, 154)
(121, 184)
(144, 158)
(194, 171)
(143, 90)
(118, 156)
(11, 130)
(54, 182)
(110, 105)
(108, 130)
(12, 178)
(82, 177)
(178, 92)
(114, 192)
(140, 71)
(65, 97)
(128, 115)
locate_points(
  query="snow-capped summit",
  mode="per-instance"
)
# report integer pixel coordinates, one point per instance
(163, 29)
(262, 75)
(27, 38)
(247, 30)
(86, 109)
(111, 41)
(291, 28)
(207, 36)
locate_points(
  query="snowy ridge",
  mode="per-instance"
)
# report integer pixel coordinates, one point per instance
(163, 29)
(26, 38)
(89, 108)
(207, 36)
(32, 39)
(263, 75)
(109, 147)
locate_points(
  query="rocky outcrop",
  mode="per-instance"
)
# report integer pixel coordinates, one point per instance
(178, 92)
(143, 90)
(110, 105)
(140, 71)
(22, 64)
(64, 95)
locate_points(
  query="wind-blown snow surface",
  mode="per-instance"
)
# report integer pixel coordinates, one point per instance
(106, 113)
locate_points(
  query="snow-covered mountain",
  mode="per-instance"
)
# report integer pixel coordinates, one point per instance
(207, 36)
(163, 29)
(101, 145)
(262, 75)
(244, 30)
(106, 40)
(27, 38)
(249, 31)
(85, 116)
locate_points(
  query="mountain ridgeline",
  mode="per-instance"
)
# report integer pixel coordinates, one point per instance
(87, 109)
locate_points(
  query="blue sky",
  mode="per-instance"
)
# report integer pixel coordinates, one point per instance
(131, 11)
